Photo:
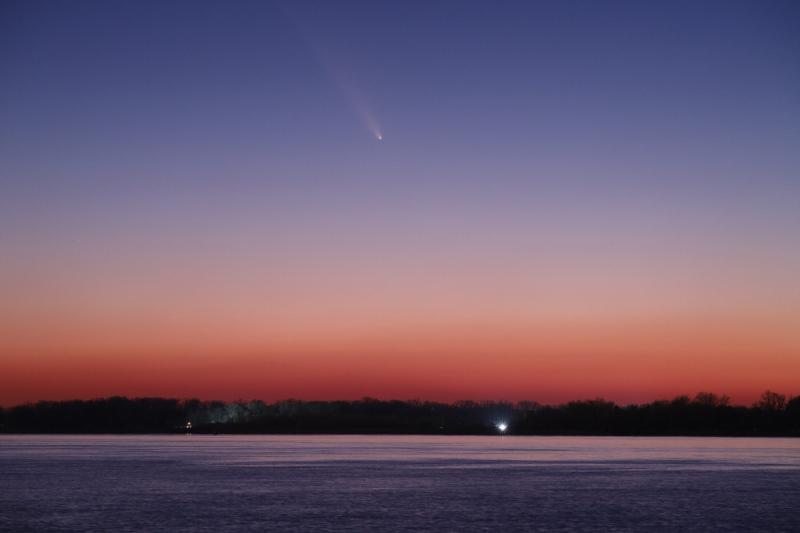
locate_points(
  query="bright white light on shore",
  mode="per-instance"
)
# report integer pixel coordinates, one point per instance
(502, 427)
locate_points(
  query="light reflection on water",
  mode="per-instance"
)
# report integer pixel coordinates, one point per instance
(393, 483)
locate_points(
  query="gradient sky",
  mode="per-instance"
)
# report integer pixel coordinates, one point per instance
(570, 200)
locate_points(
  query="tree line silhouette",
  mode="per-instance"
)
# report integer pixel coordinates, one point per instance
(705, 414)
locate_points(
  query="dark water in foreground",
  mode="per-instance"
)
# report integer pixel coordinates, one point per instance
(407, 483)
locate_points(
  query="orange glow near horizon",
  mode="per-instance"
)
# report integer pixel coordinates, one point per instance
(628, 361)
(373, 318)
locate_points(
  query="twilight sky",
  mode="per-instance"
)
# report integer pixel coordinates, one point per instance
(570, 200)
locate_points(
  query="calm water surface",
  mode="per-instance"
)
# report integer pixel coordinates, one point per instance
(404, 483)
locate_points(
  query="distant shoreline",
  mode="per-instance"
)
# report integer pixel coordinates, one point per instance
(705, 415)
(442, 435)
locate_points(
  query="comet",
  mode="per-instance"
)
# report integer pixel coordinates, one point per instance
(341, 78)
